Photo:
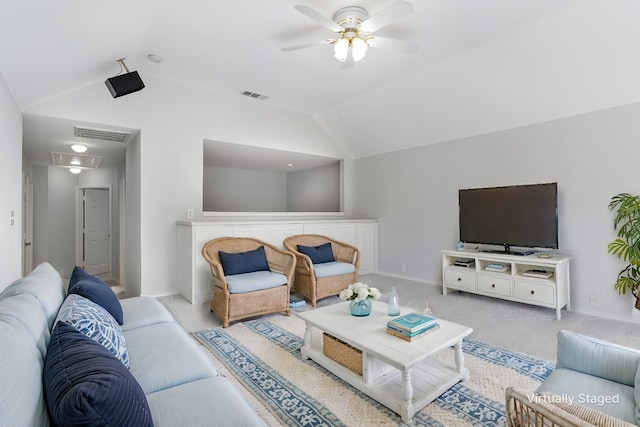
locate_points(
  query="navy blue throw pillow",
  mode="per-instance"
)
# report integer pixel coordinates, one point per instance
(318, 254)
(77, 274)
(96, 290)
(244, 262)
(85, 385)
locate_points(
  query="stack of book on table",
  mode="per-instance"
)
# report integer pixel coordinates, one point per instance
(296, 300)
(411, 326)
(495, 266)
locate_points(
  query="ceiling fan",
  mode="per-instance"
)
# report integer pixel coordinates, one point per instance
(354, 31)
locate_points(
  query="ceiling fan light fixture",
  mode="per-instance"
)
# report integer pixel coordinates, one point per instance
(341, 49)
(358, 48)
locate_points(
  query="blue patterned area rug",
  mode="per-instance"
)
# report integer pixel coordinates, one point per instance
(264, 355)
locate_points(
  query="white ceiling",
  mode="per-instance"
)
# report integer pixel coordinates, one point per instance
(48, 48)
(237, 156)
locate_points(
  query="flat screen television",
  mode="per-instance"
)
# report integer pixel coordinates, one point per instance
(520, 215)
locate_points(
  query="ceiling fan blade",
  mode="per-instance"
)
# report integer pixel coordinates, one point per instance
(308, 44)
(392, 44)
(393, 12)
(320, 19)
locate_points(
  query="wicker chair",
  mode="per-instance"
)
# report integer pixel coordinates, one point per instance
(235, 306)
(528, 409)
(305, 282)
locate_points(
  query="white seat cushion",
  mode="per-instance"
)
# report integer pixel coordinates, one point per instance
(335, 268)
(256, 281)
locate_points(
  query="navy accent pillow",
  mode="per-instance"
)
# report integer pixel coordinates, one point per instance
(244, 262)
(77, 274)
(85, 385)
(318, 254)
(99, 292)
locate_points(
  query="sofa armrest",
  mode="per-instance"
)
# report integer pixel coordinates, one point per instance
(598, 358)
(528, 409)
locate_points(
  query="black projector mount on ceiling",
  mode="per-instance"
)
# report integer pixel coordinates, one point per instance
(124, 84)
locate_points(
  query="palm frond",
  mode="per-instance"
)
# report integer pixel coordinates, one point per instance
(627, 244)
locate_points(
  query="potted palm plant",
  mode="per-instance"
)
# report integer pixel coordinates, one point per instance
(627, 244)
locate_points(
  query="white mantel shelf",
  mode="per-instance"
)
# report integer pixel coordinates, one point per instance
(194, 274)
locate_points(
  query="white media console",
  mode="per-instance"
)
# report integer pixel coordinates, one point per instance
(527, 279)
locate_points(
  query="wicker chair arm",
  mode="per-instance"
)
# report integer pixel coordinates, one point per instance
(303, 263)
(280, 261)
(527, 409)
(216, 271)
(346, 253)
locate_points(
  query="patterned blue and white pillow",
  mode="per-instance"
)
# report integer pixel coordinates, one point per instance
(96, 323)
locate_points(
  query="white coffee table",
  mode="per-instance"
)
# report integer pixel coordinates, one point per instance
(404, 376)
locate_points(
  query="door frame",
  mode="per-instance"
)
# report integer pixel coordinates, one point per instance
(27, 224)
(79, 232)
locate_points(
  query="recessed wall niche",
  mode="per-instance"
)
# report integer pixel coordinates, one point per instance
(242, 178)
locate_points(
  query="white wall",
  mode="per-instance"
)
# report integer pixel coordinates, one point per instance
(132, 225)
(594, 156)
(40, 239)
(61, 220)
(11, 187)
(174, 119)
(54, 217)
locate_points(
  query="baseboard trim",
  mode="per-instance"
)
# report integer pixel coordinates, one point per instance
(413, 279)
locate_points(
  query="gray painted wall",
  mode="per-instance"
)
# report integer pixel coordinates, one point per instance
(54, 214)
(314, 190)
(243, 190)
(413, 193)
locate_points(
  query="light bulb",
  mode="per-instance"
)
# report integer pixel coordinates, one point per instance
(341, 49)
(79, 148)
(358, 48)
(75, 171)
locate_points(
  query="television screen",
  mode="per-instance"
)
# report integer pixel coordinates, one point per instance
(521, 215)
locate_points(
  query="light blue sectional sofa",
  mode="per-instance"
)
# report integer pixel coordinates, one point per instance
(595, 383)
(170, 380)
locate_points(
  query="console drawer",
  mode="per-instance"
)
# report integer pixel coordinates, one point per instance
(457, 278)
(495, 285)
(537, 292)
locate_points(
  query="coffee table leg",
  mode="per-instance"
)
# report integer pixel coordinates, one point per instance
(459, 357)
(307, 341)
(407, 396)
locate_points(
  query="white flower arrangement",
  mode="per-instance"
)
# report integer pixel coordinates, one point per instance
(359, 291)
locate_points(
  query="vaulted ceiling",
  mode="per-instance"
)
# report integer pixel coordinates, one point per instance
(481, 66)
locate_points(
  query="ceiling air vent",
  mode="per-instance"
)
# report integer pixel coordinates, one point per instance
(101, 134)
(254, 95)
(75, 160)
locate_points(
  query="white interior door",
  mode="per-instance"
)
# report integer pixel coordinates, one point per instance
(96, 231)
